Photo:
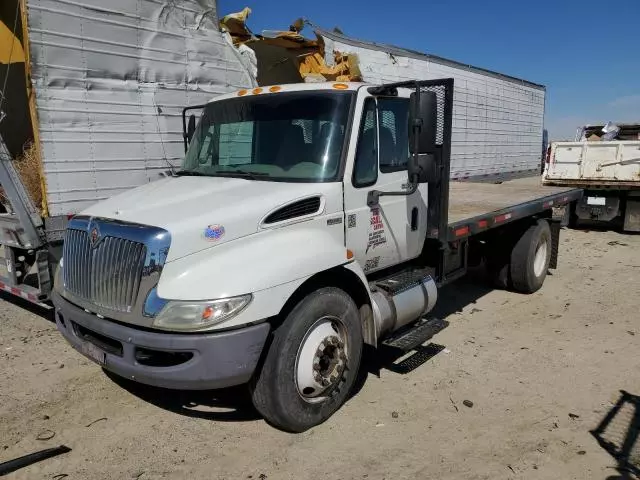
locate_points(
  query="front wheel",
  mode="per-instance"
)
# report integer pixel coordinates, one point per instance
(312, 362)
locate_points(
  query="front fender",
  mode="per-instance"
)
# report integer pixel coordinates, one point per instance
(256, 262)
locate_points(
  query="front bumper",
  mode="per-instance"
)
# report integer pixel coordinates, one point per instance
(202, 360)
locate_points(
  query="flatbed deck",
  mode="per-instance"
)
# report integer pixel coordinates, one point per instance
(474, 207)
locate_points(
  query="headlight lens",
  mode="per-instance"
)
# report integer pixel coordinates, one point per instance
(177, 315)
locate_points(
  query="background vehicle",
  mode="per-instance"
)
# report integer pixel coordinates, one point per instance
(609, 171)
(545, 150)
(100, 106)
(306, 221)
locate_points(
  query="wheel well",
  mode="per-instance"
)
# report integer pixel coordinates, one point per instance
(343, 279)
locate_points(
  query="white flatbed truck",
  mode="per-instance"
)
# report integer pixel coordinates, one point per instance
(306, 221)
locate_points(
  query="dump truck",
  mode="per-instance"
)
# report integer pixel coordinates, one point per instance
(94, 98)
(608, 171)
(306, 221)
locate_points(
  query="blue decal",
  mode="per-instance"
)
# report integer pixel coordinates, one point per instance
(213, 232)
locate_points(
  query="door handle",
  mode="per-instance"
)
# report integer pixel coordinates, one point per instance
(414, 219)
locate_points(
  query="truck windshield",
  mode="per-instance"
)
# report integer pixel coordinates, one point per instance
(295, 136)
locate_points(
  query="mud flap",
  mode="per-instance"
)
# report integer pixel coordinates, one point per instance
(632, 215)
(555, 227)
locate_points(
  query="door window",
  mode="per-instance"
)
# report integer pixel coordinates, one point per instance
(383, 141)
(365, 170)
(393, 116)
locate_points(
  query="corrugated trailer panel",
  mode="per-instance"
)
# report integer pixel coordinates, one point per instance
(111, 79)
(497, 120)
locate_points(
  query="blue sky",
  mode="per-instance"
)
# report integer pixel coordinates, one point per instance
(586, 52)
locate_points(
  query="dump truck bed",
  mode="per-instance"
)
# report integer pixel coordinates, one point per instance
(585, 164)
(474, 207)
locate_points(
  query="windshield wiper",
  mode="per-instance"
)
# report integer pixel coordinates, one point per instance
(242, 173)
(189, 173)
(224, 173)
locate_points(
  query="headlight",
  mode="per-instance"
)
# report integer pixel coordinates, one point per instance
(177, 315)
(61, 262)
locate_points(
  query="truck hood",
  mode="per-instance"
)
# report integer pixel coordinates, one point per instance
(202, 212)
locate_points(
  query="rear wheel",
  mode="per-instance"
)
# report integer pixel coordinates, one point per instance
(573, 220)
(498, 258)
(497, 267)
(530, 258)
(312, 362)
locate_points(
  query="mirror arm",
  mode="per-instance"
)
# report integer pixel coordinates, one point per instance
(373, 197)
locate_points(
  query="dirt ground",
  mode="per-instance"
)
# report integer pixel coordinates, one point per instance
(541, 371)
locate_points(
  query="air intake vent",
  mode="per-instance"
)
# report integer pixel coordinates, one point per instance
(301, 208)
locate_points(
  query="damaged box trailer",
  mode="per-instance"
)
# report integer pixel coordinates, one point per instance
(95, 91)
(498, 120)
(98, 89)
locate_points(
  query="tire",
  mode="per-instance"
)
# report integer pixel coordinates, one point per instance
(276, 389)
(530, 258)
(498, 259)
(573, 221)
(497, 267)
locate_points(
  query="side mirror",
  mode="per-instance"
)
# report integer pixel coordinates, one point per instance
(424, 167)
(423, 122)
(191, 127)
(423, 125)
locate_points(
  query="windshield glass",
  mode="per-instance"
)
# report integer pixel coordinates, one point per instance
(294, 136)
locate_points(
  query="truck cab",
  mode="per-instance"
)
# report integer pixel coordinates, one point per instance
(306, 221)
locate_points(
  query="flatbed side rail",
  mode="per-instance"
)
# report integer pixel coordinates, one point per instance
(471, 226)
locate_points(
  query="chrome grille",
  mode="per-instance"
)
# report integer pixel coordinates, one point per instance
(107, 275)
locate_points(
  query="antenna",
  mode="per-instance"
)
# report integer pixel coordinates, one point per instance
(164, 151)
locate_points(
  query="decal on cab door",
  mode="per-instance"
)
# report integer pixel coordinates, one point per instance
(377, 234)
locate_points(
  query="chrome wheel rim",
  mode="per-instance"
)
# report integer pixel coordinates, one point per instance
(540, 259)
(322, 359)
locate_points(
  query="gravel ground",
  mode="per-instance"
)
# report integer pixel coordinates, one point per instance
(541, 371)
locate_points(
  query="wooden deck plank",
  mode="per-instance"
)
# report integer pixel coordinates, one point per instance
(468, 200)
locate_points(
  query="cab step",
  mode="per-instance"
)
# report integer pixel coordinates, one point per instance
(416, 335)
(403, 280)
(418, 357)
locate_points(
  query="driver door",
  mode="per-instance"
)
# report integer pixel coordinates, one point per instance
(393, 231)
